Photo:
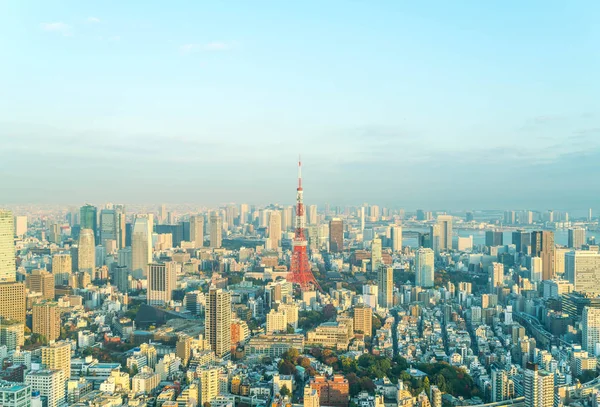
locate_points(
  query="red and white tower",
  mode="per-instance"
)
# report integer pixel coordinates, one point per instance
(300, 272)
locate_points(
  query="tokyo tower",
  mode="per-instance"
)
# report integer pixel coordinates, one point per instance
(300, 272)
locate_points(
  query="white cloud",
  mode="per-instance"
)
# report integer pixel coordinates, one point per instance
(58, 27)
(211, 46)
(93, 20)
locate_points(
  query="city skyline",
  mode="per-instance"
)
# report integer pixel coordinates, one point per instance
(429, 105)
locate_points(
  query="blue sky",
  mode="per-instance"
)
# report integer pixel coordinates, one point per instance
(438, 104)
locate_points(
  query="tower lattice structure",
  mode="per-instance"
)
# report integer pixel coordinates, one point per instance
(300, 272)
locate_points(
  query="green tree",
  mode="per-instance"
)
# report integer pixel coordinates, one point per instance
(284, 391)
(290, 329)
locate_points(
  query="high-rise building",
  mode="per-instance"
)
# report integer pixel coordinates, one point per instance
(542, 245)
(590, 335)
(336, 235)
(57, 356)
(522, 240)
(376, 257)
(363, 320)
(61, 268)
(141, 245)
(108, 225)
(276, 322)
(40, 281)
(538, 386)
(8, 270)
(218, 321)
(496, 276)
(162, 214)
(197, 230)
(500, 385)
(162, 280)
(88, 218)
(494, 238)
(12, 301)
(582, 269)
(385, 282)
(424, 268)
(559, 260)
(50, 384)
(216, 231)
(275, 228)
(209, 385)
(46, 320)
(312, 215)
(12, 335)
(576, 238)
(435, 235)
(537, 269)
(86, 260)
(287, 218)
(396, 232)
(445, 224)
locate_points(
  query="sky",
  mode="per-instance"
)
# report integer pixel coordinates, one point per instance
(433, 104)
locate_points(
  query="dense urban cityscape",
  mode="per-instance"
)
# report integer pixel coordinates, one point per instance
(279, 306)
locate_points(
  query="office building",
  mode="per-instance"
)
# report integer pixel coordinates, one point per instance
(576, 238)
(537, 269)
(12, 301)
(275, 229)
(385, 283)
(88, 218)
(162, 280)
(559, 260)
(496, 276)
(542, 245)
(445, 224)
(276, 322)
(363, 320)
(218, 321)
(141, 245)
(435, 238)
(216, 231)
(86, 253)
(50, 384)
(376, 257)
(197, 230)
(312, 215)
(57, 356)
(46, 320)
(494, 238)
(61, 268)
(8, 270)
(396, 236)
(424, 268)
(40, 281)
(582, 269)
(15, 394)
(20, 225)
(336, 235)
(590, 335)
(522, 240)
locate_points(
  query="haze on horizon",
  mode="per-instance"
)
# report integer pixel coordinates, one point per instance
(432, 104)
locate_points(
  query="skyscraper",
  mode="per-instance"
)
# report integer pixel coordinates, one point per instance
(57, 356)
(336, 235)
(8, 270)
(108, 225)
(12, 301)
(162, 280)
(435, 235)
(445, 224)
(243, 216)
(385, 282)
(88, 218)
(86, 260)
(375, 254)
(216, 231)
(396, 232)
(494, 238)
(218, 321)
(141, 245)
(582, 269)
(197, 230)
(46, 320)
(576, 238)
(287, 218)
(20, 225)
(590, 336)
(521, 239)
(275, 228)
(424, 268)
(363, 319)
(312, 215)
(542, 245)
(496, 276)
(61, 268)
